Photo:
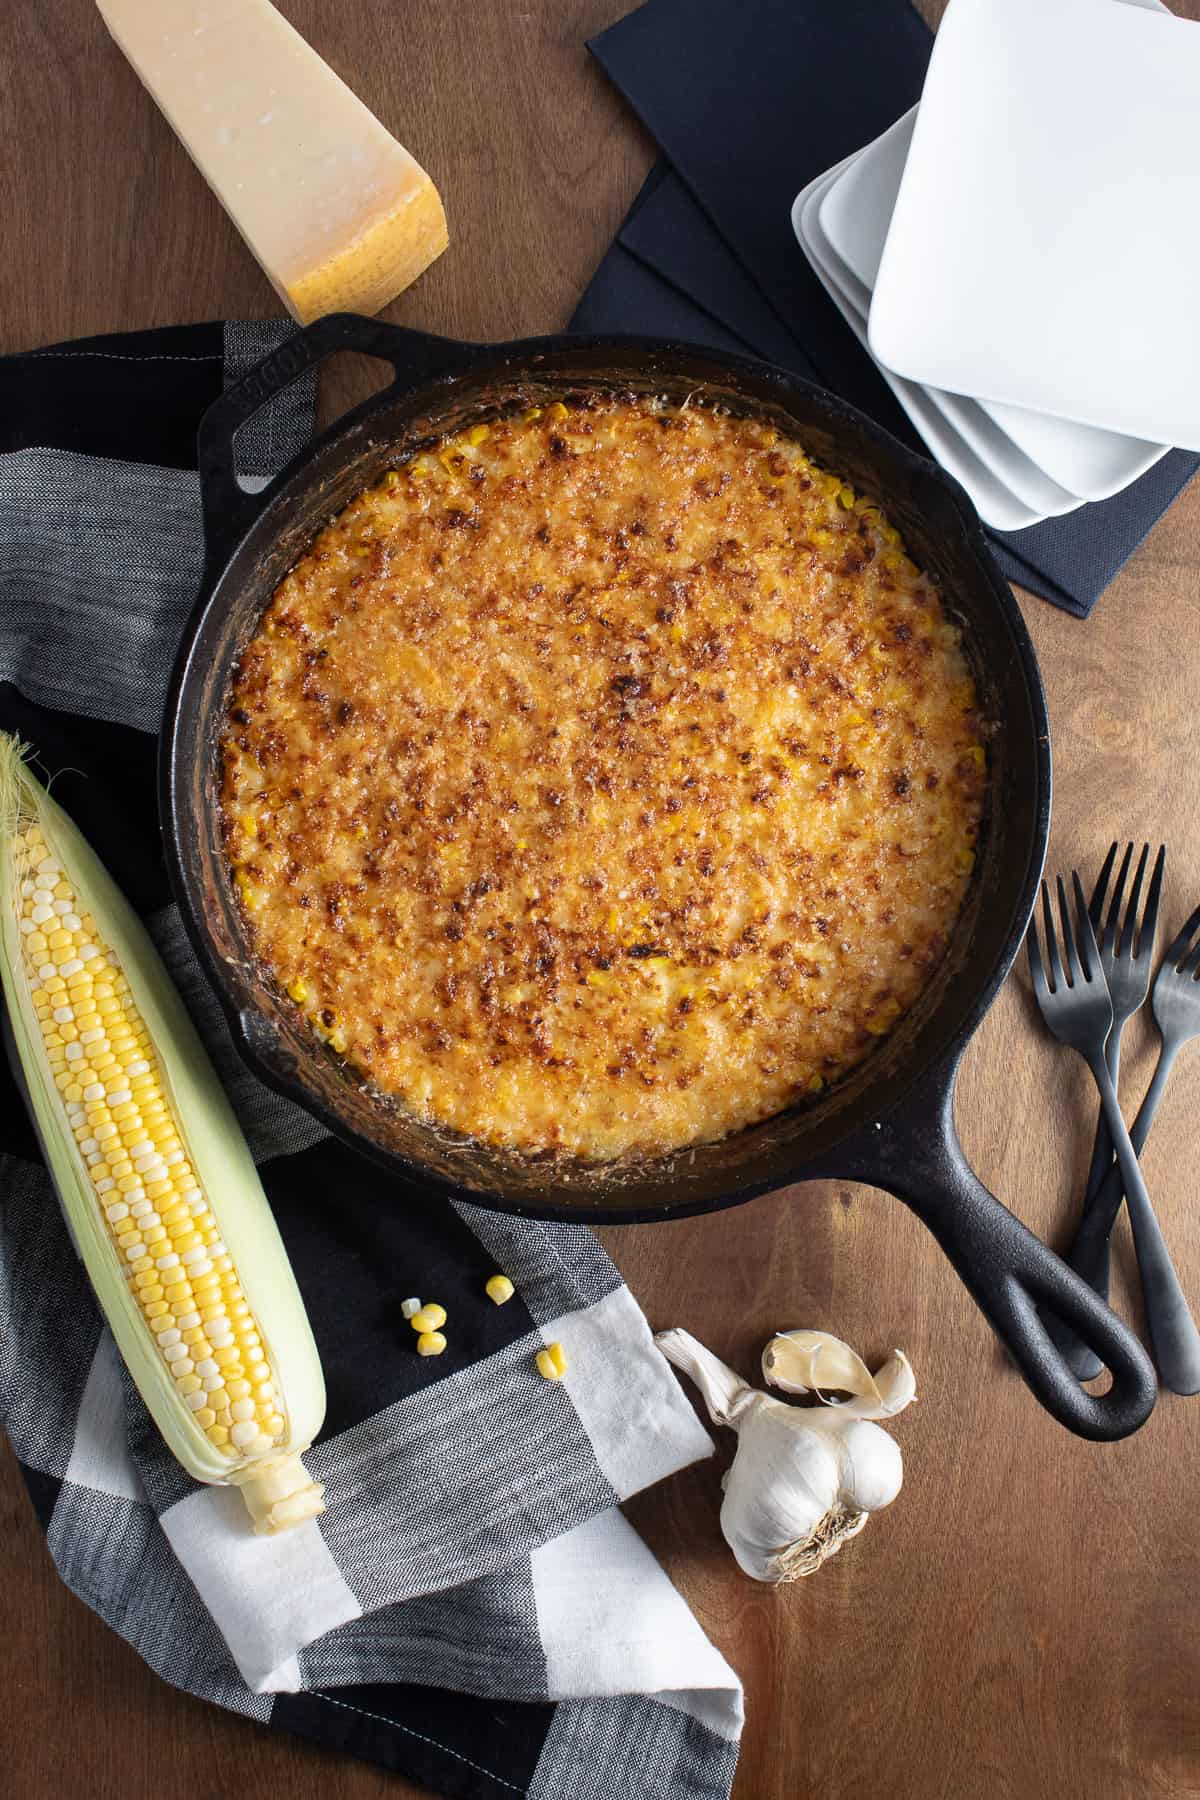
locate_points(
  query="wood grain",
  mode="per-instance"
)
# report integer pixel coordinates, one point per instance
(1022, 1623)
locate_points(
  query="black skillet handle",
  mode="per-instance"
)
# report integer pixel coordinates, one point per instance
(915, 1154)
(229, 508)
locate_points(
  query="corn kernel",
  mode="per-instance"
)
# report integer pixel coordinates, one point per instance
(551, 1362)
(883, 1018)
(431, 1317)
(499, 1289)
(430, 1343)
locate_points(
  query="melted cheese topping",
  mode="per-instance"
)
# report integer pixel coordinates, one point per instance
(603, 780)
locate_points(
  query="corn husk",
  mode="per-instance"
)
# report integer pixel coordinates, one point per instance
(215, 1148)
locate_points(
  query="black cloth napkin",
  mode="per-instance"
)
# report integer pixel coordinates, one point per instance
(749, 100)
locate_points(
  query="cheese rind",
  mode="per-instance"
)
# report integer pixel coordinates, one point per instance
(337, 213)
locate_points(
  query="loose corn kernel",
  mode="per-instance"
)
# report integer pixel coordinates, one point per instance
(298, 990)
(552, 1362)
(430, 1317)
(478, 433)
(410, 1307)
(430, 1343)
(558, 411)
(499, 1289)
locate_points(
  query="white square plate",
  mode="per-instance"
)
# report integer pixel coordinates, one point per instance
(1063, 133)
(1027, 484)
(855, 215)
(994, 502)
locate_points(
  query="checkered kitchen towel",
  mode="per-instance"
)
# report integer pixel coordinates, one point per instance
(472, 1610)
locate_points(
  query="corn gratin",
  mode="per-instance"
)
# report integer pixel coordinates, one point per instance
(604, 779)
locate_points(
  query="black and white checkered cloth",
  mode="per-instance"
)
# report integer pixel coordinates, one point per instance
(473, 1609)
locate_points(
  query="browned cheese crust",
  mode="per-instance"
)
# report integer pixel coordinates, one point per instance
(604, 780)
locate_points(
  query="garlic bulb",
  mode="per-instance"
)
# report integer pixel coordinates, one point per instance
(804, 1478)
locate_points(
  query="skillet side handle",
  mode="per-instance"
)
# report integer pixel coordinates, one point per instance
(1010, 1272)
(229, 508)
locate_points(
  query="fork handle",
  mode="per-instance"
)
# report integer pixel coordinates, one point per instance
(1172, 1329)
(1090, 1249)
(1102, 1148)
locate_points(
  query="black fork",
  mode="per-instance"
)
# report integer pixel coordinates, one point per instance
(1076, 1005)
(1126, 965)
(1175, 1001)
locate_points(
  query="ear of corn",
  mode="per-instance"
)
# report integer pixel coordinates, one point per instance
(155, 1178)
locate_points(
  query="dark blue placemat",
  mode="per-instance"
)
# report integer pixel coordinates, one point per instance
(750, 99)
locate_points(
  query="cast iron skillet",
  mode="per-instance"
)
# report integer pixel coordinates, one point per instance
(891, 1122)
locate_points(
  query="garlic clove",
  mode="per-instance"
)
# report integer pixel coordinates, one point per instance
(816, 1362)
(897, 1385)
(872, 1467)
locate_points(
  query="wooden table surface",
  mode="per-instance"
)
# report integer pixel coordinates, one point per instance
(1023, 1622)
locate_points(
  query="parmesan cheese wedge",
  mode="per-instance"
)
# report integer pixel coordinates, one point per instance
(339, 215)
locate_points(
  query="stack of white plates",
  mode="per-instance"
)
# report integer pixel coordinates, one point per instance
(1020, 254)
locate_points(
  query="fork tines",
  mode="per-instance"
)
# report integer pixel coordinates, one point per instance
(1081, 957)
(1148, 926)
(1177, 956)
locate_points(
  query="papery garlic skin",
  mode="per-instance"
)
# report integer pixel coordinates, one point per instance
(783, 1481)
(804, 1478)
